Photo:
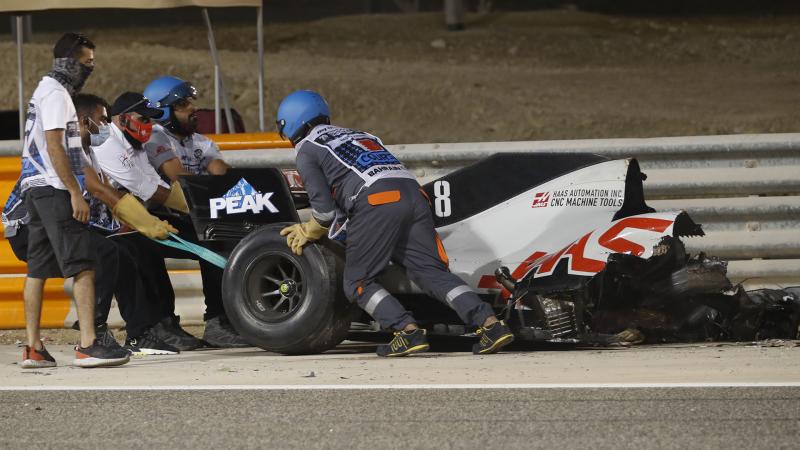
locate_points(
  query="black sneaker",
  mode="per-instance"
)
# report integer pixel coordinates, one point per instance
(220, 333)
(97, 355)
(169, 331)
(405, 343)
(493, 338)
(105, 337)
(149, 344)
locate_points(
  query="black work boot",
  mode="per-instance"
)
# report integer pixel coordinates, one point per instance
(493, 338)
(220, 333)
(405, 343)
(170, 332)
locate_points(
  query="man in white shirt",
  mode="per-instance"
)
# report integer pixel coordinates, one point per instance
(121, 156)
(122, 159)
(176, 149)
(50, 182)
(131, 262)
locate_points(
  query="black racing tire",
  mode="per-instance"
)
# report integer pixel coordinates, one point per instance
(282, 302)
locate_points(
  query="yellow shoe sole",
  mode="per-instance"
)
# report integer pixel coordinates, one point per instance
(498, 344)
(415, 349)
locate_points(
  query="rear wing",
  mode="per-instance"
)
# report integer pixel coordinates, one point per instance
(228, 207)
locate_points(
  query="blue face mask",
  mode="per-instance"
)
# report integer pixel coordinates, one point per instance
(102, 135)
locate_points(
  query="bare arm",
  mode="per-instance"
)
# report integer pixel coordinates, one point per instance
(99, 190)
(160, 195)
(173, 168)
(60, 161)
(218, 167)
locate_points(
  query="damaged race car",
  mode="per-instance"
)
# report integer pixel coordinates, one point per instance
(563, 246)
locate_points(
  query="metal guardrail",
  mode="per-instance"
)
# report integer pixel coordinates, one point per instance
(735, 183)
(10, 148)
(744, 189)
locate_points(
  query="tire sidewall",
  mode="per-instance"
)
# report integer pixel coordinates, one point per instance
(309, 328)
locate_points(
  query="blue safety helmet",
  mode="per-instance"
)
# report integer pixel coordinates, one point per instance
(299, 112)
(165, 91)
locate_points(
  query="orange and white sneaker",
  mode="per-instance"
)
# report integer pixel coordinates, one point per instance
(36, 359)
(99, 355)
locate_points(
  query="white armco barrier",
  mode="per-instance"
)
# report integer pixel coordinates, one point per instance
(743, 189)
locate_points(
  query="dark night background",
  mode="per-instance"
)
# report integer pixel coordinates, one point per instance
(284, 10)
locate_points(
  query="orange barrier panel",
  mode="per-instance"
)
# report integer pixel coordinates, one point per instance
(9, 264)
(12, 314)
(249, 141)
(54, 309)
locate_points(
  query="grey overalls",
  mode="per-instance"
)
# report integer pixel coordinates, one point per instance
(350, 174)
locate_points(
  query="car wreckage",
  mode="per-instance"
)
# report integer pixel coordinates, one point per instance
(564, 247)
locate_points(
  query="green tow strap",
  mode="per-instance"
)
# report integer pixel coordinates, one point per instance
(202, 252)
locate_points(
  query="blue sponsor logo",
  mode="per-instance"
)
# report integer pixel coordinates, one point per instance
(369, 159)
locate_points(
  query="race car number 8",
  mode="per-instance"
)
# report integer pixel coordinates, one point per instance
(441, 202)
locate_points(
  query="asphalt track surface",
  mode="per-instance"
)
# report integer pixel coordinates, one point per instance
(413, 418)
(674, 396)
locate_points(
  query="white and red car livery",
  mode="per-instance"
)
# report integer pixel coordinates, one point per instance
(585, 208)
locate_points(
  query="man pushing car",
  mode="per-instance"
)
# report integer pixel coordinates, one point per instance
(350, 175)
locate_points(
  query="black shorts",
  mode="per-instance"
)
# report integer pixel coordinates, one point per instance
(19, 243)
(58, 245)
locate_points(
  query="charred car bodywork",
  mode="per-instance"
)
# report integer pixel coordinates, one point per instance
(588, 257)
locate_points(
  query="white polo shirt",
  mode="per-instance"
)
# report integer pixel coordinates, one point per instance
(127, 167)
(50, 108)
(195, 152)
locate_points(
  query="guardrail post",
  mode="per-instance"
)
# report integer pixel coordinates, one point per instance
(454, 14)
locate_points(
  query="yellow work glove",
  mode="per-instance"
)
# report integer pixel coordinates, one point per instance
(176, 199)
(629, 336)
(300, 234)
(134, 214)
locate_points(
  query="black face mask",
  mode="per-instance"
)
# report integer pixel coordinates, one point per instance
(70, 73)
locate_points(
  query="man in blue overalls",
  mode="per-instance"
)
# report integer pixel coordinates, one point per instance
(349, 173)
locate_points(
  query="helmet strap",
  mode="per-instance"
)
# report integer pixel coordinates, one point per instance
(303, 131)
(174, 125)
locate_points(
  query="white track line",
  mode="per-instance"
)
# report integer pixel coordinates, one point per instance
(338, 387)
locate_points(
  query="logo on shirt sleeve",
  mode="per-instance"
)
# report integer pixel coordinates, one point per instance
(242, 198)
